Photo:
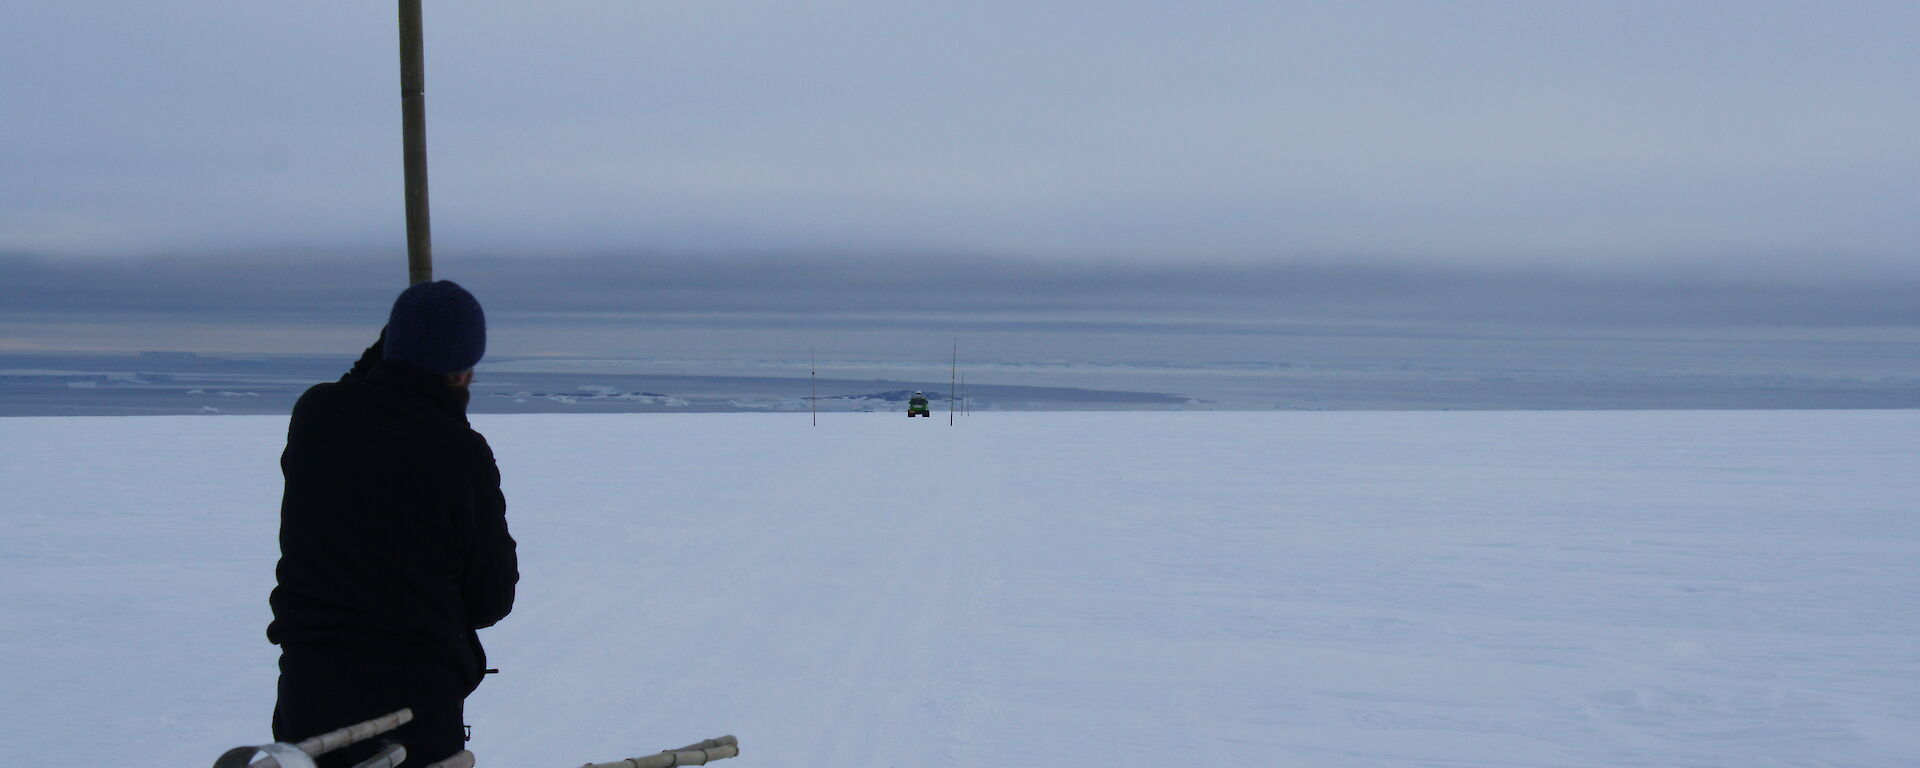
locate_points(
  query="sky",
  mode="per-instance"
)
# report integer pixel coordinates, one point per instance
(1266, 165)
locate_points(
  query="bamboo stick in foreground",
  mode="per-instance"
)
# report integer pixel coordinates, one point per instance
(460, 759)
(692, 754)
(318, 745)
(390, 756)
(352, 734)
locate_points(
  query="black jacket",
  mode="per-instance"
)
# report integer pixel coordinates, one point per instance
(393, 530)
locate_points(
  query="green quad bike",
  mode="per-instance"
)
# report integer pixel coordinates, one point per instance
(918, 406)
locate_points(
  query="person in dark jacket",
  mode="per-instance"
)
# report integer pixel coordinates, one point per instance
(393, 537)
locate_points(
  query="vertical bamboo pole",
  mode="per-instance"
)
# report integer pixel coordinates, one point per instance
(953, 385)
(813, 375)
(413, 119)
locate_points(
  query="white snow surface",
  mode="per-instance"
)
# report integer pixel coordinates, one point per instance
(1041, 589)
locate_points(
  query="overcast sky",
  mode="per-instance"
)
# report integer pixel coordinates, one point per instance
(1415, 160)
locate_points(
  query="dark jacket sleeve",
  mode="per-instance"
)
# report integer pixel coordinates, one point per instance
(492, 567)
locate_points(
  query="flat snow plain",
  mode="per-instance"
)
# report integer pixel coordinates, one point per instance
(1044, 589)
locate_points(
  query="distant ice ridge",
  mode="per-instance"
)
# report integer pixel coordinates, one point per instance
(596, 394)
(222, 393)
(775, 404)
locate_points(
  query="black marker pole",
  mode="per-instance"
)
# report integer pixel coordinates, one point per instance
(413, 126)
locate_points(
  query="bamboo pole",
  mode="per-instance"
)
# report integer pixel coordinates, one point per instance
(413, 119)
(354, 734)
(318, 745)
(692, 754)
(460, 759)
(389, 756)
(953, 384)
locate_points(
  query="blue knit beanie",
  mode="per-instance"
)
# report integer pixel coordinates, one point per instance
(437, 327)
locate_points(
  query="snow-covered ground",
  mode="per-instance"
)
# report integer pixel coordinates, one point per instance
(1043, 589)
